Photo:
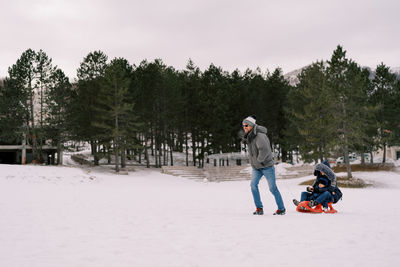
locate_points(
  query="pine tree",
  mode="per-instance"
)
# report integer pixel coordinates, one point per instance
(21, 82)
(310, 114)
(58, 103)
(192, 113)
(141, 93)
(115, 112)
(275, 99)
(90, 75)
(173, 115)
(346, 83)
(383, 95)
(395, 140)
(214, 104)
(12, 113)
(368, 142)
(237, 109)
(26, 93)
(149, 87)
(44, 70)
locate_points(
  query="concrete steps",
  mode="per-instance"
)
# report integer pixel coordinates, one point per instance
(214, 174)
(228, 173)
(190, 172)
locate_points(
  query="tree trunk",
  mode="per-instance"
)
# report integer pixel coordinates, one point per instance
(346, 145)
(123, 159)
(59, 153)
(179, 145)
(23, 159)
(92, 148)
(284, 154)
(187, 149)
(108, 148)
(384, 153)
(152, 141)
(194, 149)
(155, 154)
(170, 151)
(40, 136)
(116, 144)
(201, 163)
(348, 166)
(32, 119)
(165, 154)
(159, 154)
(116, 154)
(146, 153)
(93, 145)
(362, 158)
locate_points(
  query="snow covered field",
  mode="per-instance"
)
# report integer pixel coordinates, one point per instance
(71, 216)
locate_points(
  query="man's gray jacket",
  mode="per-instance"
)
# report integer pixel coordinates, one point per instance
(260, 154)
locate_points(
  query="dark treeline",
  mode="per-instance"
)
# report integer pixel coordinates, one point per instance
(339, 106)
(153, 109)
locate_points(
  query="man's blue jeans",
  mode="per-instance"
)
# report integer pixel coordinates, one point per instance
(269, 173)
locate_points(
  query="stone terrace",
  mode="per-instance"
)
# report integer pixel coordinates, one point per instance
(229, 173)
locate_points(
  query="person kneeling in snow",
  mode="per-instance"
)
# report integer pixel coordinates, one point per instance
(324, 190)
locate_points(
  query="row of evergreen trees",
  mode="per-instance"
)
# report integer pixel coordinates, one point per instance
(33, 101)
(152, 108)
(338, 105)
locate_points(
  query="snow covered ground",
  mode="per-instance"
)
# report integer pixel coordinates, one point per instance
(71, 216)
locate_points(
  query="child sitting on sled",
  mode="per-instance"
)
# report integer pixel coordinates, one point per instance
(324, 190)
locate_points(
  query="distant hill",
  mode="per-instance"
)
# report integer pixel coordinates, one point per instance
(291, 77)
(397, 71)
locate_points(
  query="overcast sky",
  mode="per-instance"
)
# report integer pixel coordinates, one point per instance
(231, 34)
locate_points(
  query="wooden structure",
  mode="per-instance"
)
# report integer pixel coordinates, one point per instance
(22, 154)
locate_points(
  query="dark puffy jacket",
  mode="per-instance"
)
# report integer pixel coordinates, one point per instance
(329, 175)
(321, 180)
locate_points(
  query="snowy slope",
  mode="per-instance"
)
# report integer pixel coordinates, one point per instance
(67, 216)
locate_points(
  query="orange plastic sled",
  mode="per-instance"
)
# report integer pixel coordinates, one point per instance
(303, 207)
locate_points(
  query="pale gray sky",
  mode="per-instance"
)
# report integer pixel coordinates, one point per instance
(231, 34)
